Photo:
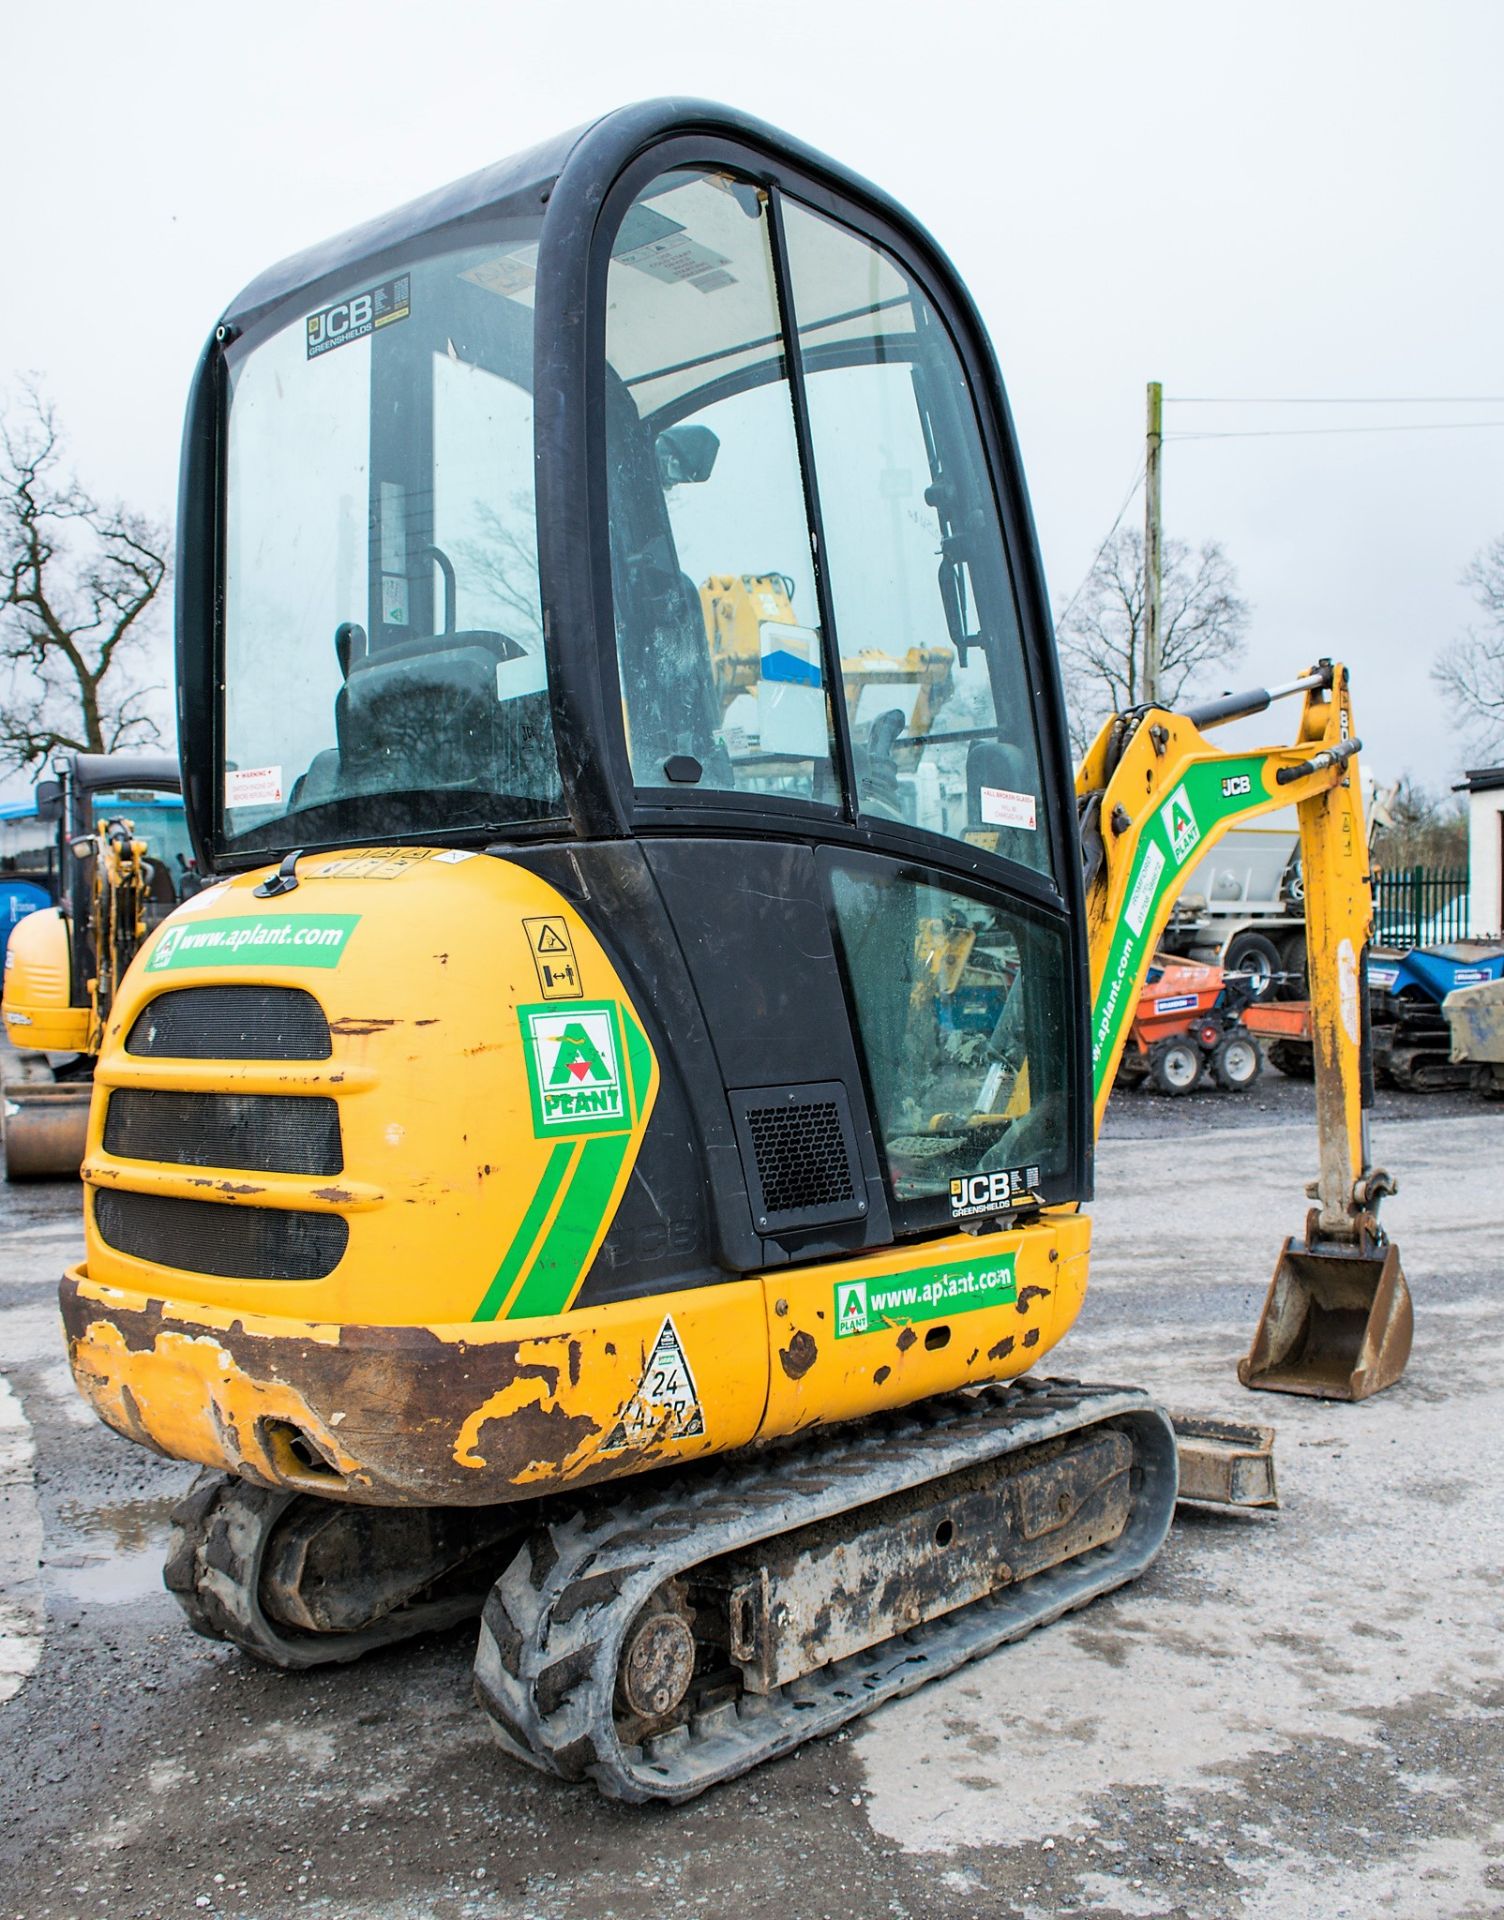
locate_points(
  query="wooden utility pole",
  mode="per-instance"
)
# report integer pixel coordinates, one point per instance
(1152, 535)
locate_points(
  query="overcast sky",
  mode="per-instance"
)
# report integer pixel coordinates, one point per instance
(1288, 200)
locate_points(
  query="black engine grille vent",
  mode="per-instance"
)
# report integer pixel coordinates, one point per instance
(257, 1132)
(233, 1243)
(799, 1155)
(232, 1023)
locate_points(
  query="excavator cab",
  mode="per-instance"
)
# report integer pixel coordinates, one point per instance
(678, 526)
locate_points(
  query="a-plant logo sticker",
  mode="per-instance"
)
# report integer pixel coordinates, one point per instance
(1180, 824)
(928, 1293)
(574, 1068)
(851, 1308)
(287, 940)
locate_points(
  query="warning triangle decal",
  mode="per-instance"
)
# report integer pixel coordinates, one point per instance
(666, 1405)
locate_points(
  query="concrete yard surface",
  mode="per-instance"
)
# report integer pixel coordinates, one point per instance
(1292, 1714)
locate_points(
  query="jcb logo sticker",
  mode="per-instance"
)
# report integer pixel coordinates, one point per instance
(1180, 823)
(1235, 786)
(346, 320)
(574, 1068)
(976, 1193)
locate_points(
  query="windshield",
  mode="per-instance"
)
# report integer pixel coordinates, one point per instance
(730, 652)
(383, 654)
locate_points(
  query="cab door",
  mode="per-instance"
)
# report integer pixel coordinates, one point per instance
(844, 733)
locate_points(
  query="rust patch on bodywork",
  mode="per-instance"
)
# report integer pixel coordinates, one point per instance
(353, 1026)
(1031, 1338)
(1003, 1348)
(1026, 1294)
(906, 1339)
(402, 1415)
(799, 1355)
(522, 1437)
(881, 1375)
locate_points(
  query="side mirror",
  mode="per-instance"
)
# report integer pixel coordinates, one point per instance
(686, 454)
(49, 800)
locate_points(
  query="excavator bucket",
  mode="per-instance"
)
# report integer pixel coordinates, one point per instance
(1336, 1324)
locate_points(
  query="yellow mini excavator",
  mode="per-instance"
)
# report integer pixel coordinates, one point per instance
(64, 963)
(611, 1151)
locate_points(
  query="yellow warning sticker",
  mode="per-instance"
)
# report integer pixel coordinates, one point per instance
(553, 958)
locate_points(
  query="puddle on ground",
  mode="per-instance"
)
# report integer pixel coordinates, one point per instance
(114, 1554)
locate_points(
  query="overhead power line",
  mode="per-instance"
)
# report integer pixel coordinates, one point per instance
(1295, 433)
(1335, 400)
(1138, 480)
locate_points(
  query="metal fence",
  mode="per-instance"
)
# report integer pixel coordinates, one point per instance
(1419, 906)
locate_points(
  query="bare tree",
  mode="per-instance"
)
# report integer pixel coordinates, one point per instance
(79, 586)
(1470, 671)
(1414, 827)
(1202, 624)
(504, 562)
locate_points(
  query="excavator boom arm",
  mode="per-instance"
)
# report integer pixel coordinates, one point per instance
(1154, 797)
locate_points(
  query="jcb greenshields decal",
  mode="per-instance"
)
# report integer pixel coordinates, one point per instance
(930, 1293)
(1209, 795)
(574, 1068)
(281, 940)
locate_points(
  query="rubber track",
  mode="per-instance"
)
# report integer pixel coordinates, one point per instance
(220, 1533)
(554, 1624)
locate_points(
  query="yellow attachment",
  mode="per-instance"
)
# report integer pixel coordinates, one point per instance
(36, 1002)
(942, 953)
(736, 606)
(1337, 1318)
(928, 670)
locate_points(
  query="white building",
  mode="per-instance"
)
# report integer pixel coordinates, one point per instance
(1484, 787)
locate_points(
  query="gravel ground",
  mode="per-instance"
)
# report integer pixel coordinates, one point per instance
(1297, 1714)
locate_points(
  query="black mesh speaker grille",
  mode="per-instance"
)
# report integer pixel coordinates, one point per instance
(232, 1023)
(799, 1155)
(233, 1243)
(254, 1132)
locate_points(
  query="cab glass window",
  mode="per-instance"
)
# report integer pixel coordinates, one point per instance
(383, 656)
(963, 1013)
(932, 665)
(717, 630)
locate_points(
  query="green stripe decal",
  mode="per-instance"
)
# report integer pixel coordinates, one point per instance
(553, 1271)
(1211, 794)
(527, 1233)
(561, 1259)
